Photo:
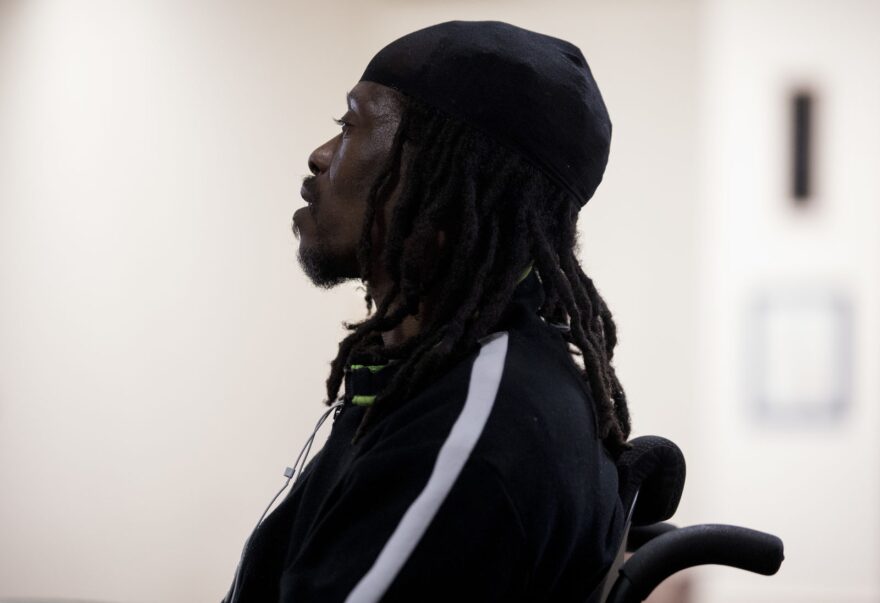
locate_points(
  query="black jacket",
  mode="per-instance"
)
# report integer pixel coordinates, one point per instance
(489, 485)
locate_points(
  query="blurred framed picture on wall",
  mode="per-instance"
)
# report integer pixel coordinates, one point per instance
(799, 355)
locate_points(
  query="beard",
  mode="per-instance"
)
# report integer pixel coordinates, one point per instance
(324, 266)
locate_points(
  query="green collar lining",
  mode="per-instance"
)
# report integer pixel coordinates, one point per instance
(525, 272)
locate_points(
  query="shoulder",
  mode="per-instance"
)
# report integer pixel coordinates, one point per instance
(543, 395)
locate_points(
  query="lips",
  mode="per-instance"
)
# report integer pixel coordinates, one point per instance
(309, 197)
(305, 194)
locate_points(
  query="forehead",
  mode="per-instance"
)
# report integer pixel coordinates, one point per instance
(374, 100)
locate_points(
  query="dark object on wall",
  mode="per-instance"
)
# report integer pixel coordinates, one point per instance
(802, 111)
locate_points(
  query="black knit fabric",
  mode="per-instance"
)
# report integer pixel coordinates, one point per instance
(532, 93)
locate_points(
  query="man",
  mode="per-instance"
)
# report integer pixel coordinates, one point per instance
(471, 459)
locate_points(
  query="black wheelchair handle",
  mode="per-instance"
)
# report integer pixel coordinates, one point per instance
(638, 536)
(679, 549)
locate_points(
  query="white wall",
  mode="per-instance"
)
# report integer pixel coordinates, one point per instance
(815, 484)
(161, 354)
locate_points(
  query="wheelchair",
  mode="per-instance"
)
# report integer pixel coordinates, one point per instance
(651, 480)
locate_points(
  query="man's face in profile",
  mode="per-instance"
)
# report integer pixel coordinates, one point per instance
(343, 170)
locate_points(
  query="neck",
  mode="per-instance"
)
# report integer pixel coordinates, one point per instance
(410, 326)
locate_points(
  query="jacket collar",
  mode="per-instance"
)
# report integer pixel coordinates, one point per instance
(365, 377)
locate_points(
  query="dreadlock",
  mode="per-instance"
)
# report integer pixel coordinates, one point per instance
(499, 213)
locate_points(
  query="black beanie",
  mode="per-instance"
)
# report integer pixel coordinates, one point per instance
(532, 93)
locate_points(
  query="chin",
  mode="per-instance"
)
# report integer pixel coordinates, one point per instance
(323, 268)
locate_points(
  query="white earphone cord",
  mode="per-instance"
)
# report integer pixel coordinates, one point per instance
(291, 473)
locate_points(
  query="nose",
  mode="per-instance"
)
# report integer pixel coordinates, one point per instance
(320, 158)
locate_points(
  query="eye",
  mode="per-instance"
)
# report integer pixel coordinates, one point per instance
(342, 123)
